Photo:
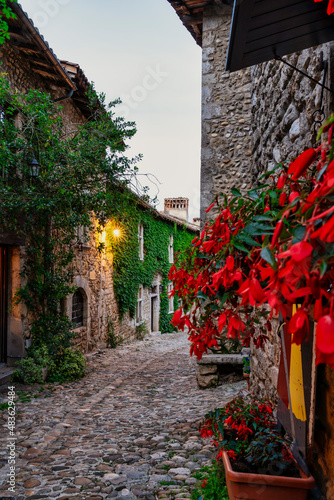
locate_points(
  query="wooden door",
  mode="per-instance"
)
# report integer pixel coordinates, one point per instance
(3, 302)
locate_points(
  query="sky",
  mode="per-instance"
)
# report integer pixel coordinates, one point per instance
(139, 51)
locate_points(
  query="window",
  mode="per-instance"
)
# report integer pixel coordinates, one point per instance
(170, 297)
(139, 311)
(78, 309)
(171, 249)
(141, 241)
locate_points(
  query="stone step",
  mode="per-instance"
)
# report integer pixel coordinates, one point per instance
(5, 375)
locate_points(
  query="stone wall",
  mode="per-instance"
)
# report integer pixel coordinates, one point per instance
(226, 113)
(283, 101)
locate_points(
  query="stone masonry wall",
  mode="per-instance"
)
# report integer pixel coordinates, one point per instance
(283, 102)
(226, 116)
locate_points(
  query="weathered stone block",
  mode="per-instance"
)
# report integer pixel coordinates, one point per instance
(206, 381)
(207, 369)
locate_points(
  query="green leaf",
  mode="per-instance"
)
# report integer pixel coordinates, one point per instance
(298, 232)
(247, 239)
(258, 229)
(201, 295)
(235, 192)
(268, 256)
(323, 268)
(240, 247)
(224, 299)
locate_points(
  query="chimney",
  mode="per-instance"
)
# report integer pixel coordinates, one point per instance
(177, 207)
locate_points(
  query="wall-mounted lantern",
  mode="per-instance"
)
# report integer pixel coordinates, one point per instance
(34, 168)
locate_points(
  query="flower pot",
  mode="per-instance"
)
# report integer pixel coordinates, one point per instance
(247, 377)
(242, 485)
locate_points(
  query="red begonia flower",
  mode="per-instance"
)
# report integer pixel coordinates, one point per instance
(176, 317)
(325, 334)
(230, 263)
(299, 327)
(301, 163)
(298, 252)
(282, 199)
(281, 181)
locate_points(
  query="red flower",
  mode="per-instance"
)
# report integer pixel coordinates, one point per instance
(176, 317)
(298, 252)
(232, 454)
(281, 181)
(301, 163)
(299, 326)
(330, 8)
(325, 334)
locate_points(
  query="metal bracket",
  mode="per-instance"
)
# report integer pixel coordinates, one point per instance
(319, 114)
(278, 58)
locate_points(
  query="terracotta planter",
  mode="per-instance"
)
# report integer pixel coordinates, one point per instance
(247, 377)
(242, 486)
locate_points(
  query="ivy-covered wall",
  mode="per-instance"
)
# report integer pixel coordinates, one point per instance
(129, 272)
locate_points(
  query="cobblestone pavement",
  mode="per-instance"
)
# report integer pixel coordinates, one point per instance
(127, 430)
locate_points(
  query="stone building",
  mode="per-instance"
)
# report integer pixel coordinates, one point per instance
(30, 63)
(254, 118)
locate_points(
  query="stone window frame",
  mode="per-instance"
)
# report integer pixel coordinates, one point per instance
(170, 299)
(84, 308)
(139, 308)
(141, 241)
(171, 249)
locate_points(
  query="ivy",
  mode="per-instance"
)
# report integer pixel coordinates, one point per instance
(5, 13)
(129, 271)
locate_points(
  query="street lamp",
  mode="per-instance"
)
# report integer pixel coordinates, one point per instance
(34, 168)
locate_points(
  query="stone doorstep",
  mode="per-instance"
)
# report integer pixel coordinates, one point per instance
(221, 359)
(5, 375)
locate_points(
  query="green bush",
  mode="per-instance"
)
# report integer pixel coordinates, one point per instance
(30, 369)
(71, 366)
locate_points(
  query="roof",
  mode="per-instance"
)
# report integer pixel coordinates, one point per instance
(28, 40)
(191, 14)
(261, 30)
(43, 61)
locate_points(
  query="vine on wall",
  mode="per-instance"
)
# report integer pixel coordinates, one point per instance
(129, 271)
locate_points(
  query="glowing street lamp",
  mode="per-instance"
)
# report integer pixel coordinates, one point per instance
(117, 233)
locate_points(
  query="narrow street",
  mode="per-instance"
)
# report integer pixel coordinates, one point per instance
(128, 430)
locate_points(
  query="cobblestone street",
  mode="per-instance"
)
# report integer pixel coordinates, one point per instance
(127, 430)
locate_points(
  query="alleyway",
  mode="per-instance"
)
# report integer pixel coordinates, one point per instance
(130, 425)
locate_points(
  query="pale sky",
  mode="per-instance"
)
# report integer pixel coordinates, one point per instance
(138, 50)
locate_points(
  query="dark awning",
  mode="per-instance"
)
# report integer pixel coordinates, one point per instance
(262, 29)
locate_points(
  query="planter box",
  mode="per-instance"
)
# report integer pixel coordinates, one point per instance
(242, 486)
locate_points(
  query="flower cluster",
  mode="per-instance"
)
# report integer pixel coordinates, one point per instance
(262, 254)
(242, 428)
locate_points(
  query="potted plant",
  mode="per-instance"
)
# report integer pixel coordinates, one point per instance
(257, 460)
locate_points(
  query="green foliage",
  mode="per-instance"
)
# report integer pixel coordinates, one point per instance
(30, 369)
(71, 366)
(211, 484)
(5, 13)
(141, 331)
(112, 339)
(129, 271)
(81, 169)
